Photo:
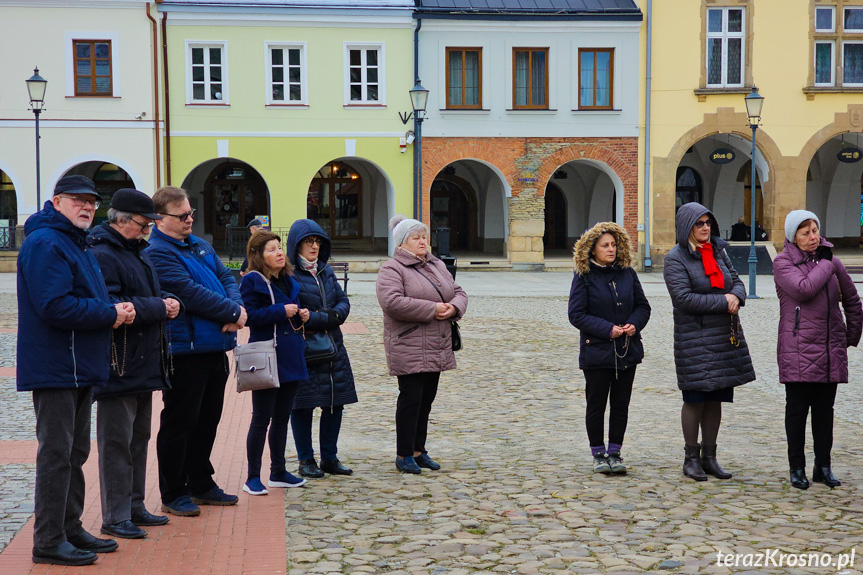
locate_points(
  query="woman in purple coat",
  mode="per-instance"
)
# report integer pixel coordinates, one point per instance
(813, 340)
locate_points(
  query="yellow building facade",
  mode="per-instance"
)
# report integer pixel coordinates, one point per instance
(806, 59)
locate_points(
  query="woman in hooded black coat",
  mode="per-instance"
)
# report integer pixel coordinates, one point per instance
(710, 351)
(331, 383)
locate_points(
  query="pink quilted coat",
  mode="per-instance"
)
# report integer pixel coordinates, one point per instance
(416, 342)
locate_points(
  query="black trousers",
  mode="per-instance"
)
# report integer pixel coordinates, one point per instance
(63, 433)
(600, 384)
(122, 434)
(416, 395)
(800, 398)
(189, 420)
(270, 405)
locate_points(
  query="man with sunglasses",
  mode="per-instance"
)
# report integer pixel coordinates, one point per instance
(139, 363)
(65, 319)
(189, 267)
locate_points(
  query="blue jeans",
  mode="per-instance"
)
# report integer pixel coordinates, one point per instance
(270, 405)
(331, 423)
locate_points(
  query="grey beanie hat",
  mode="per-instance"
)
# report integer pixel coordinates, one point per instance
(402, 227)
(793, 221)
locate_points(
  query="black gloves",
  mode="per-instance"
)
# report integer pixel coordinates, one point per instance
(333, 319)
(824, 253)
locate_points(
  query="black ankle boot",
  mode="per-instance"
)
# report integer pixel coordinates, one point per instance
(709, 463)
(823, 474)
(692, 464)
(798, 478)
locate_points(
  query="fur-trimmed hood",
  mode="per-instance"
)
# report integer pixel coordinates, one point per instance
(587, 241)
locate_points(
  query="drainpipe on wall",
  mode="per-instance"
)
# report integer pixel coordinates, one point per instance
(155, 27)
(418, 192)
(647, 262)
(167, 99)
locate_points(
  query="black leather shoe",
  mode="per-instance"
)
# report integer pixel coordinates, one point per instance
(823, 474)
(309, 468)
(124, 530)
(63, 554)
(798, 478)
(423, 460)
(335, 467)
(692, 463)
(147, 519)
(408, 465)
(86, 542)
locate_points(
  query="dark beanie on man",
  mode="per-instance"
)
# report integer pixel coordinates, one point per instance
(134, 202)
(75, 185)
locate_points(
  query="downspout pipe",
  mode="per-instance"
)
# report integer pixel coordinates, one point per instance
(648, 264)
(167, 99)
(418, 192)
(155, 27)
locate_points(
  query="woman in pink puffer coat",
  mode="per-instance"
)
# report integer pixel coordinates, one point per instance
(420, 300)
(813, 339)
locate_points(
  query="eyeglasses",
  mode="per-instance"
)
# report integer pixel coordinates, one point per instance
(143, 226)
(182, 217)
(701, 223)
(81, 202)
(312, 241)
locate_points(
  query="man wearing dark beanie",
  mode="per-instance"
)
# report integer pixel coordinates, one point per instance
(137, 369)
(65, 317)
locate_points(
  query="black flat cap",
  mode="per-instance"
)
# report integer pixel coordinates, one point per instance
(256, 222)
(75, 185)
(134, 202)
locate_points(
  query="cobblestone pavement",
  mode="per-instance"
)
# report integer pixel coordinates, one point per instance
(516, 493)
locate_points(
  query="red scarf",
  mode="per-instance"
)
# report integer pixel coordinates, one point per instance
(711, 268)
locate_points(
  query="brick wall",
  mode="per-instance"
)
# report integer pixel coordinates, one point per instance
(529, 163)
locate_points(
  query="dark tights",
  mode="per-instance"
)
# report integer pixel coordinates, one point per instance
(707, 416)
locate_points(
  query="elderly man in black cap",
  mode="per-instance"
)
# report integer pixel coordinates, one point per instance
(65, 316)
(139, 363)
(254, 226)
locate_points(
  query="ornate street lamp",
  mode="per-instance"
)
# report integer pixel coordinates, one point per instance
(754, 102)
(419, 100)
(36, 86)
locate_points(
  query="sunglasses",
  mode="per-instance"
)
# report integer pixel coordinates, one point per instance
(312, 241)
(182, 217)
(701, 223)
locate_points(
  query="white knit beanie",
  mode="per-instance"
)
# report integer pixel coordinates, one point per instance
(793, 221)
(402, 227)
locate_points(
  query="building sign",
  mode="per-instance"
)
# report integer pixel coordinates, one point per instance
(850, 155)
(723, 156)
(264, 220)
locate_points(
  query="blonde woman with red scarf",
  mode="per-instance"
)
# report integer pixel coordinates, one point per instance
(710, 351)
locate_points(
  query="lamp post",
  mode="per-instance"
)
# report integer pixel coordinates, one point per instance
(754, 102)
(419, 100)
(36, 88)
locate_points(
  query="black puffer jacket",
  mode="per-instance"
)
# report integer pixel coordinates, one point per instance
(705, 357)
(141, 350)
(332, 383)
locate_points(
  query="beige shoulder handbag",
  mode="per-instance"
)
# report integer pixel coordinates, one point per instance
(256, 363)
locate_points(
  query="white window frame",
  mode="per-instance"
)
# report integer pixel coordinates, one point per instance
(845, 43)
(304, 78)
(69, 60)
(832, 63)
(852, 30)
(724, 35)
(207, 44)
(832, 20)
(379, 46)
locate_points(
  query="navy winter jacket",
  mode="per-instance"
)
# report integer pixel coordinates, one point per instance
(332, 383)
(704, 355)
(142, 350)
(192, 270)
(263, 315)
(65, 315)
(599, 300)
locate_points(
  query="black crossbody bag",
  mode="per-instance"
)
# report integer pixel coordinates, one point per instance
(456, 333)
